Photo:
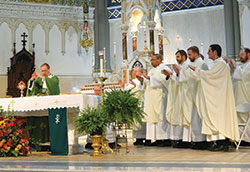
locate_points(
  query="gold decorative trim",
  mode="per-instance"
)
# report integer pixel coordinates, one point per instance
(39, 1)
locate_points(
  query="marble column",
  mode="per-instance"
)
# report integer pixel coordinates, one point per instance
(160, 40)
(237, 37)
(124, 46)
(101, 30)
(232, 28)
(124, 29)
(134, 40)
(151, 26)
(124, 66)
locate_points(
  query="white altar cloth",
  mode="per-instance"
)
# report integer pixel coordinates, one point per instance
(36, 103)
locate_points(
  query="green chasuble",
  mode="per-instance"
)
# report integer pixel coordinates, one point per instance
(40, 129)
(38, 87)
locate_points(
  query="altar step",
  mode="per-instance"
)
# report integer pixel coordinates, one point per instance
(140, 159)
(138, 166)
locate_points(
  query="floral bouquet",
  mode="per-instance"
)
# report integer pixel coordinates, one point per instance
(13, 140)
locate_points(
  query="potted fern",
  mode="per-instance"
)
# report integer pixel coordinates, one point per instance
(92, 121)
(122, 107)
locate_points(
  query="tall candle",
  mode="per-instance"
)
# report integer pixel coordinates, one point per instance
(114, 48)
(101, 63)
(114, 57)
(93, 60)
(104, 61)
(104, 53)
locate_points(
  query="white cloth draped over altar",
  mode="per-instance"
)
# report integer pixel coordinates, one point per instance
(37, 103)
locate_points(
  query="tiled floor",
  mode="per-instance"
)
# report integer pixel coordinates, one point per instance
(138, 159)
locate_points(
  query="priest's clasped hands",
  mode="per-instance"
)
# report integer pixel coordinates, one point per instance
(35, 75)
(232, 64)
(192, 67)
(176, 69)
(166, 72)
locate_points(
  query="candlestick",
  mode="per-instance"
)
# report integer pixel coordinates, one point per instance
(101, 63)
(93, 68)
(114, 47)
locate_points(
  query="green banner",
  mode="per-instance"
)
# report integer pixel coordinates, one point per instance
(58, 131)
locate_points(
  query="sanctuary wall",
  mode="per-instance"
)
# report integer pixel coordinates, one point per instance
(246, 25)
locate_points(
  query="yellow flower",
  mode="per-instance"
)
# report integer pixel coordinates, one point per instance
(2, 142)
(18, 147)
(2, 124)
(8, 148)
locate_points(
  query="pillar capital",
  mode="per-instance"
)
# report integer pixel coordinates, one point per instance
(124, 27)
(151, 25)
(124, 65)
(134, 34)
(160, 31)
(245, 3)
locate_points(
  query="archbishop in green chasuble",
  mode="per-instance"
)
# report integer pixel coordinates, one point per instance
(45, 84)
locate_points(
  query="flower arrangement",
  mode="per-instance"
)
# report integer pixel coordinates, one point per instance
(13, 141)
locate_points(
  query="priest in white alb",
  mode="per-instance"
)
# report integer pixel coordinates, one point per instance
(155, 101)
(175, 112)
(215, 102)
(189, 85)
(136, 86)
(241, 83)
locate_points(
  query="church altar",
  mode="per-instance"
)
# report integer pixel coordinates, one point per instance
(39, 105)
(36, 103)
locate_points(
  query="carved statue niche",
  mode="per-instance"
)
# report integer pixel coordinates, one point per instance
(22, 65)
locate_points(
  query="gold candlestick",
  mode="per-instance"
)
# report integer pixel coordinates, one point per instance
(102, 79)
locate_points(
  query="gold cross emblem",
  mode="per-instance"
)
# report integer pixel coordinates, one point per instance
(12, 102)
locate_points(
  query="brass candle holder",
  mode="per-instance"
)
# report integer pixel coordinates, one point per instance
(102, 79)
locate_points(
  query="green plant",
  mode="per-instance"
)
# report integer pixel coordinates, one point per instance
(91, 121)
(123, 107)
